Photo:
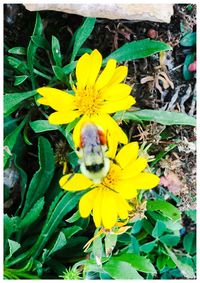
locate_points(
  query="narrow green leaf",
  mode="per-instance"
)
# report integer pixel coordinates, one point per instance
(66, 203)
(59, 243)
(59, 73)
(121, 270)
(67, 69)
(189, 243)
(188, 40)
(41, 126)
(20, 79)
(10, 226)
(17, 64)
(140, 263)
(11, 139)
(161, 117)
(166, 208)
(31, 50)
(82, 34)
(13, 246)
(42, 178)
(70, 231)
(170, 240)
(188, 60)
(161, 261)
(14, 99)
(17, 50)
(137, 50)
(185, 269)
(32, 215)
(56, 51)
(159, 229)
(40, 42)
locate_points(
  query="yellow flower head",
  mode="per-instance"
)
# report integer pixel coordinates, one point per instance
(96, 96)
(108, 200)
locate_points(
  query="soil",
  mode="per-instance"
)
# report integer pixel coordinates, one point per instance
(107, 36)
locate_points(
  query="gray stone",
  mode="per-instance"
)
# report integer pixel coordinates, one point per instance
(134, 12)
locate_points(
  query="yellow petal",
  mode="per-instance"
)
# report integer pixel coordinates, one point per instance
(126, 189)
(83, 70)
(127, 154)
(116, 92)
(58, 118)
(56, 99)
(110, 125)
(97, 208)
(109, 209)
(76, 182)
(134, 168)
(96, 62)
(86, 203)
(106, 74)
(119, 75)
(118, 105)
(122, 206)
(145, 181)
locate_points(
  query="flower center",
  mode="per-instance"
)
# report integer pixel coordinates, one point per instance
(112, 177)
(88, 100)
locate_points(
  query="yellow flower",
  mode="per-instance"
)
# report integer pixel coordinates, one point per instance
(108, 200)
(96, 96)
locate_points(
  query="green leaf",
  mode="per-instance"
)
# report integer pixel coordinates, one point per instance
(12, 100)
(110, 243)
(70, 231)
(32, 215)
(191, 214)
(121, 270)
(17, 64)
(41, 126)
(161, 261)
(166, 208)
(188, 60)
(59, 243)
(97, 249)
(10, 226)
(82, 34)
(11, 139)
(31, 50)
(159, 229)
(59, 73)
(13, 246)
(67, 69)
(140, 263)
(161, 117)
(56, 51)
(188, 40)
(64, 205)
(42, 178)
(185, 269)
(170, 240)
(137, 50)
(20, 79)
(189, 243)
(40, 42)
(17, 50)
(148, 247)
(74, 217)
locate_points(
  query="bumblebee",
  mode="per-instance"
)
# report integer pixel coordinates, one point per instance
(92, 152)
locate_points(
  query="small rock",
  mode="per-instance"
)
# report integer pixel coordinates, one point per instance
(135, 12)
